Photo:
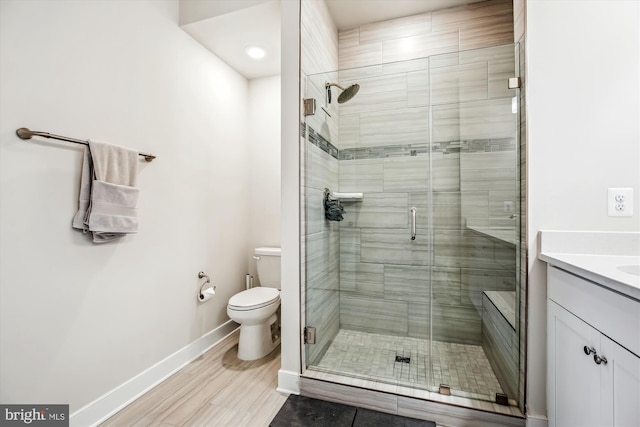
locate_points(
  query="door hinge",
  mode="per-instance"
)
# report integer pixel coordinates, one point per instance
(514, 82)
(445, 389)
(309, 335)
(502, 399)
(309, 106)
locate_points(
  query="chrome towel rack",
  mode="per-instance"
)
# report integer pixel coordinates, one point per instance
(24, 133)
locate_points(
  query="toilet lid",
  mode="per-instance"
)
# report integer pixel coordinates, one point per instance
(254, 298)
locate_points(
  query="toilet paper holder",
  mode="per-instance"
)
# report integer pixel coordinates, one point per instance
(206, 291)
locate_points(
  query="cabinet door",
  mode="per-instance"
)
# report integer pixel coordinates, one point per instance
(573, 381)
(621, 384)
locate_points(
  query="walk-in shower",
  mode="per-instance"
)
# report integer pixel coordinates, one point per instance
(417, 286)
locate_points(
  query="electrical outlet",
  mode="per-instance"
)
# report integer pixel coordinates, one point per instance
(620, 202)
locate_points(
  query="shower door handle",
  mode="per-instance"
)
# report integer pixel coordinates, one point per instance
(413, 223)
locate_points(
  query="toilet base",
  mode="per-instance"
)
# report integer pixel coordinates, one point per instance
(256, 341)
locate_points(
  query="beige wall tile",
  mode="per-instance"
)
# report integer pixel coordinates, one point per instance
(408, 174)
(378, 210)
(410, 125)
(396, 28)
(364, 175)
(459, 83)
(360, 55)
(406, 283)
(373, 315)
(420, 46)
(362, 279)
(349, 129)
(418, 88)
(348, 38)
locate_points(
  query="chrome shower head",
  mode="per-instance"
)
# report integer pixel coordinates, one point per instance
(346, 94)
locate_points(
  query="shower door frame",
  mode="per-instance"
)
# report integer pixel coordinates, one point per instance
(430, 229)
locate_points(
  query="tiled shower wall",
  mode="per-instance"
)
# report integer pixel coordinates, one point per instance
(373, 155)
(383, 150)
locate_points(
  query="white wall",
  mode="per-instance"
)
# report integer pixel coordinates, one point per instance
(78, 319)
(290, 185)
(264, 164)
(583, 106)
(197, 10)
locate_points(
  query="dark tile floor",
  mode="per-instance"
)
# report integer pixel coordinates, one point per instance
(300, 411)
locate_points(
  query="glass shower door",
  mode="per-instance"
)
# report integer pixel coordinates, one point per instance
(475, 194)
(416, 285)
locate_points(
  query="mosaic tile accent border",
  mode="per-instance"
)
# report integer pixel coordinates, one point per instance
(404, 150)
(407, 150)
(318, 140)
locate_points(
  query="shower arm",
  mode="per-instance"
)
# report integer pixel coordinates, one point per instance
(327, 88)
(328, 85)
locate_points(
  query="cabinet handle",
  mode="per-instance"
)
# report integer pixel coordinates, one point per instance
(599, 359)
(589, 350)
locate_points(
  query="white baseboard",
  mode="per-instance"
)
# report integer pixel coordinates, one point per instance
(104, 407)
(537, 421)
(288, 382)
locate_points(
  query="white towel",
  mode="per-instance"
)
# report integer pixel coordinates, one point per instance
(113, 164)
(113, 208)
(108, 196)
(84, 199)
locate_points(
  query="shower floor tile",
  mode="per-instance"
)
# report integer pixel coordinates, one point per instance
(465, 368)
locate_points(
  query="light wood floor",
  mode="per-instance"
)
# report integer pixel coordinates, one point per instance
(217, 389)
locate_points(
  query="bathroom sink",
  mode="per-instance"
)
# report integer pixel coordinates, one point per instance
(630, 269)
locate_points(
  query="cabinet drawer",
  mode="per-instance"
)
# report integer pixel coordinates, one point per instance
(615, 315)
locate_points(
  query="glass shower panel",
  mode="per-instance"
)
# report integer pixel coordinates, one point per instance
(416, 284)
(383, 154)
(475, 198)
(320, 246)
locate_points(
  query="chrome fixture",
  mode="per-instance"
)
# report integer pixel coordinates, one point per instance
(25, 133)
(309, 106)
(206, 291)
(413, 222)
(346, 94)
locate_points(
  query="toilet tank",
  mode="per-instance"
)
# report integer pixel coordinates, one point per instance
(268, 261)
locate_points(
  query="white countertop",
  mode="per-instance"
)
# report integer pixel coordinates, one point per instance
(595, 256)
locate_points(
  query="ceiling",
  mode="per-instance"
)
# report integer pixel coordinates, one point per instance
(229, 34)
(352, 13)
(228, 27)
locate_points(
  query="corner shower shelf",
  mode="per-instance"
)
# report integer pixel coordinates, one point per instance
(348, 197)
(497, 228)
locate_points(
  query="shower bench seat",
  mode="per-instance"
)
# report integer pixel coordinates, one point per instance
(499, 337)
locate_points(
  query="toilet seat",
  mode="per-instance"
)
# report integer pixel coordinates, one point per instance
(253, 298)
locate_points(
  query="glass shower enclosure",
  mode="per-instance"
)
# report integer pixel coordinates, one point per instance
(417, 284)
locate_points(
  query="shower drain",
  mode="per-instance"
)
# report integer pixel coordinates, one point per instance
(403, 359)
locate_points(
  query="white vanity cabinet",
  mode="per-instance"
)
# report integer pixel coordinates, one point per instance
(593, 343)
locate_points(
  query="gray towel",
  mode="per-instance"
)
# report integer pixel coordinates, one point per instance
(333, 210)
(108, 196)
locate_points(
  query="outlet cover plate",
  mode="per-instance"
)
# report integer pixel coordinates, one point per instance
(620, 202)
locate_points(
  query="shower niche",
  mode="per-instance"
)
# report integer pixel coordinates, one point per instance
(418, 286)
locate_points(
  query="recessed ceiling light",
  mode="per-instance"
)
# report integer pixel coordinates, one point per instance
(256, 52)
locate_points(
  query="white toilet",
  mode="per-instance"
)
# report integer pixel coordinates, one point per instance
(255, 309)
